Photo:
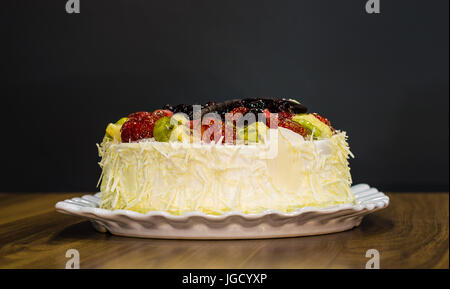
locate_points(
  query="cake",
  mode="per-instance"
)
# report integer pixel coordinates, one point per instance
(244, 155)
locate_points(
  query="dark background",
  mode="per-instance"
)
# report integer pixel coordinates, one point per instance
(382, 78)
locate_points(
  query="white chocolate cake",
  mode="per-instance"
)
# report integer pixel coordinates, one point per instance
(298, 163)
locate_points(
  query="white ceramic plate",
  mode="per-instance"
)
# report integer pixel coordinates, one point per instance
(232, 225)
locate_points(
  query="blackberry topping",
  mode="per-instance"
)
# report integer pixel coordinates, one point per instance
(209, 103)
(184, 108)
(168, 106)
(254, 105)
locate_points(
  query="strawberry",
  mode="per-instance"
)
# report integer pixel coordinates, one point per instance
(268, 116)
(140, 124)
(211, 129)
(162, 112)
(281, 115)
(285, 114)
(292, 125)
(194, 123)
(324, 120)
(133, 129)
(242, 110)
(228, 133)
(235, 115)
(141, 115)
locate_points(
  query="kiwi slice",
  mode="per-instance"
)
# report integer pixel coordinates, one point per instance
(113, 129)
(315, 126)
(163, 128)
(253, 132)
(121, 121)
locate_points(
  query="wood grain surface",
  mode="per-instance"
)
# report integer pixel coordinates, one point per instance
(411, 233)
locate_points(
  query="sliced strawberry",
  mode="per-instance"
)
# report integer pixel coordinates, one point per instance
(281, 115)
(266, 113)
(242, 110)
(194, 123)
(324, 120)
(228, 133)
(285, 114)
(211, 129)
(292, 125)
(268, 116)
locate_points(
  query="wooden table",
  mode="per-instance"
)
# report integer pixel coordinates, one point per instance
(411, 233)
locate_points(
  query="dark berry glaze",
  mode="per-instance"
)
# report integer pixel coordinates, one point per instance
(253, 105)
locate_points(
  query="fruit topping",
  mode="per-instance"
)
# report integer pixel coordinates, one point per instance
(181, 128)
(256, 105)
(162, 112)
(292, 125)
(228, 133)
(113, 129)
(242, 110)
(180, 133)
(231, 120)
(133, 130)
(141, 115)
(179, 119)
(252, 133)
(163, 128)
(173, 128)
(121, 121)
(140, 125)
(281, 115)
(184, 108)
(314, 126)
(324, 120)
(212, 129)
(285, 114)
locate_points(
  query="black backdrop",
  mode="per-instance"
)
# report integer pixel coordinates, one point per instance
(383, 78)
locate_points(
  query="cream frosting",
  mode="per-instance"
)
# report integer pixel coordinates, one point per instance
(213, 178)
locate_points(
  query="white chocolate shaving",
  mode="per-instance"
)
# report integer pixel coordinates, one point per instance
(213, 178)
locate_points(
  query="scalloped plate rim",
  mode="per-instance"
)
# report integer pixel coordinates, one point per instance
(99, 215)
